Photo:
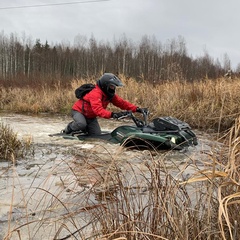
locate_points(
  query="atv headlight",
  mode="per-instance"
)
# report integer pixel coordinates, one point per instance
(173, 140)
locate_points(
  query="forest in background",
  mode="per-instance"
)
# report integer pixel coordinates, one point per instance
(23, 60)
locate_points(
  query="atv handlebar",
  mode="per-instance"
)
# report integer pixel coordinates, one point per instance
(137, 121)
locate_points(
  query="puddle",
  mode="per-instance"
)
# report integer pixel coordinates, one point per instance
(55, 179)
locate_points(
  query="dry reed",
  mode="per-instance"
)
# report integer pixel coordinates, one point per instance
(206, 104)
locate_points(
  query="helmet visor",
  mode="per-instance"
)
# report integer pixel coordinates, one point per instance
(116, 81)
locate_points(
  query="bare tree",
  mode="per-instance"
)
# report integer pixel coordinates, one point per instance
(149, 60)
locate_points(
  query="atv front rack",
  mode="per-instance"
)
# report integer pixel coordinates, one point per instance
(169, 123)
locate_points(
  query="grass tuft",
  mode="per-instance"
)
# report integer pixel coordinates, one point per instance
(11, 147)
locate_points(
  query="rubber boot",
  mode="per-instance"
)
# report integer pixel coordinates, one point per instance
(68, 129)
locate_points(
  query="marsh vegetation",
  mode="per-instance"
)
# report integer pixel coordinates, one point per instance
(204, 104)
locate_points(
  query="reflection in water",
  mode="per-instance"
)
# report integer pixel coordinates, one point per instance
(62, 178)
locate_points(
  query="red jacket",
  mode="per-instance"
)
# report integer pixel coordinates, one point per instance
(95, 103)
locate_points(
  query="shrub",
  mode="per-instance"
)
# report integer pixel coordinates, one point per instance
(10, 146)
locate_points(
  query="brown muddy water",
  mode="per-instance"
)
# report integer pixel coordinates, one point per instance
(54, 179)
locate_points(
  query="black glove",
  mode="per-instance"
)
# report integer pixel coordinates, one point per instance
(139, 110)
(118, 115)
(142, 110)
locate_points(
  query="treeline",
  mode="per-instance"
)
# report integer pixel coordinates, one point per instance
(21, 58)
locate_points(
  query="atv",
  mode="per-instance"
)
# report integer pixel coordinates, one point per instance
(162, 133)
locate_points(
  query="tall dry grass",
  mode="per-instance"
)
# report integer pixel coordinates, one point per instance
(206, 104)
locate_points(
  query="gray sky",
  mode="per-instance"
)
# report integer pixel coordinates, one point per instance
(206, 25)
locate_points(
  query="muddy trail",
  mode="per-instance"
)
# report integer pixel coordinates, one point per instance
(54, 179)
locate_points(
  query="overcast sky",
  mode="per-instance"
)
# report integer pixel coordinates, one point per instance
(206, 25)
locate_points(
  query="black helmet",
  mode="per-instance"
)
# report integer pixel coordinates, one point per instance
(108, 83)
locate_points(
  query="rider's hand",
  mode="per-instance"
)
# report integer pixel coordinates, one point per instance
(118, 115)
(141, 110)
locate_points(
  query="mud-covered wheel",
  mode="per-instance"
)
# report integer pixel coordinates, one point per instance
(137, 143)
